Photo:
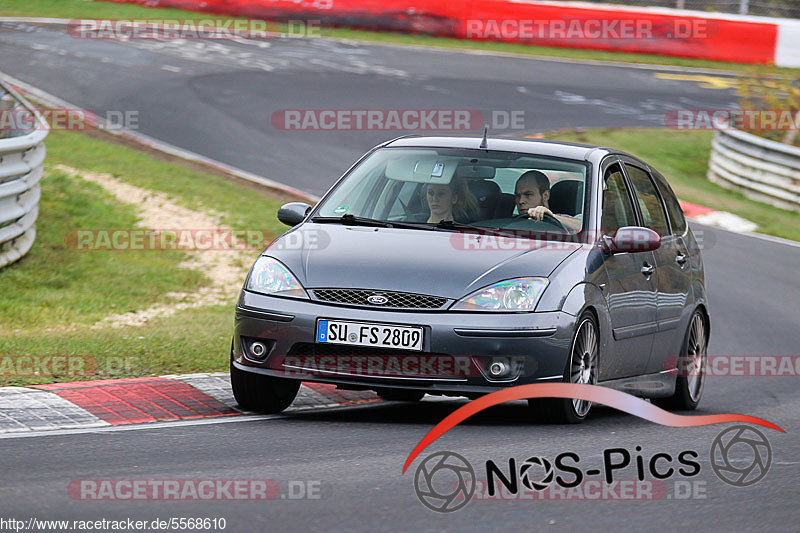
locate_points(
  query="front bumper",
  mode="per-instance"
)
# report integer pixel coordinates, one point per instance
(537, 343)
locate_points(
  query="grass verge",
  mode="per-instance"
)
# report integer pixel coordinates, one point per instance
(683, 159)
(65, 291)
(75, 9)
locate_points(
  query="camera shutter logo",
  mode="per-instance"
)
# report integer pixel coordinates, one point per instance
(733, 463)
(525, 473)
(455, 485)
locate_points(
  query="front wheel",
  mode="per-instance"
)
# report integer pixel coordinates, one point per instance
(692, 368)
(581, 368)
(260, 393)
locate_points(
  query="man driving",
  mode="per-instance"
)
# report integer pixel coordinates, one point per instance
(532, 193)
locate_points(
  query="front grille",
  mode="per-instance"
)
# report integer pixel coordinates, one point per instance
(395, 300)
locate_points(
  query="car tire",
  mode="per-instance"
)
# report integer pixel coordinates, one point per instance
(399, 395)
(581, 367)
(260, 393)
(689, 389)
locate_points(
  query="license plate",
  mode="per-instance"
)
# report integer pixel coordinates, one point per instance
(365, 334)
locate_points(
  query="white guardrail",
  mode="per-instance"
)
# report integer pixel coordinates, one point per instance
(763, 170)
(21, 166)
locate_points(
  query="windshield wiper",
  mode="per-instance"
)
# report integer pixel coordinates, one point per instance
(373, 222)
(453, 225)
(354, 220)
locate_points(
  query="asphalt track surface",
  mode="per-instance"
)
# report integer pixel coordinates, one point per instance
(217, 102)
(217, 98)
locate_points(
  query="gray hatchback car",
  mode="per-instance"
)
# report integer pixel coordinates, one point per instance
(460, 266)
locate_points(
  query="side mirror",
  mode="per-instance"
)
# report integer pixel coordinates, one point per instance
(632, 239)
(293, 213)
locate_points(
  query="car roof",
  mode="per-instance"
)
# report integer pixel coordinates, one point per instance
(543, 147)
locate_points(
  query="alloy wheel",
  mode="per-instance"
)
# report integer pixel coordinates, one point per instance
(583, 369)
(697, 355)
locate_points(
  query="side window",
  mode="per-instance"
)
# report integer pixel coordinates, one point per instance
(674, 210)
(617, 206)
(649, 201)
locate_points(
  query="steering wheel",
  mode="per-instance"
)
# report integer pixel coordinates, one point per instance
(550, 219)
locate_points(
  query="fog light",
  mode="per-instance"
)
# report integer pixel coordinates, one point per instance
(258, 351)
(499, 368)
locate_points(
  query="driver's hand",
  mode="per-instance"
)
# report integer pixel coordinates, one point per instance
(539, 212)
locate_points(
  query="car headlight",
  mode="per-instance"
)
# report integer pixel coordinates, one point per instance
(270, 276)
(519, 294)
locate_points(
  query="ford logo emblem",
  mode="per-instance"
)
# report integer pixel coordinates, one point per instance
(377, 299)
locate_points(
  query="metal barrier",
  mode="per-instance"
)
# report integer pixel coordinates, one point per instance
(22, 154)
(763, 170)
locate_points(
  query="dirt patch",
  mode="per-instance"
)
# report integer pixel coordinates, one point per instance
(158, 211)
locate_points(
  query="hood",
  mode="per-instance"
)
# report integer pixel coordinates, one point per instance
(439, 263)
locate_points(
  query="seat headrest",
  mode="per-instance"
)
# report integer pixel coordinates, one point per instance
(566, 197)
(484, 191)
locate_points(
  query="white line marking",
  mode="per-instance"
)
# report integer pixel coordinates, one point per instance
(146, 425)
(177, 423)
(36, 20)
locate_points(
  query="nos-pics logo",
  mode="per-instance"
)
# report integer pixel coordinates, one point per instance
(445, 481)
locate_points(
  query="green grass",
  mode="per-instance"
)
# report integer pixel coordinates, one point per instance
(73, 9)
(240, 206)
(683, 159)
(57, 287)
(54, 285)
(196, 340)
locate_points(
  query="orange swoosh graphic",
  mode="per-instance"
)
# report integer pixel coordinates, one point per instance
(593, 393)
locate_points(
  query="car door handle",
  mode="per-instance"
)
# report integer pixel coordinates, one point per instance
(680, 259)
(648, 269)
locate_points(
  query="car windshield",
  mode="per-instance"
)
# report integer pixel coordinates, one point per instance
(422, 187)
